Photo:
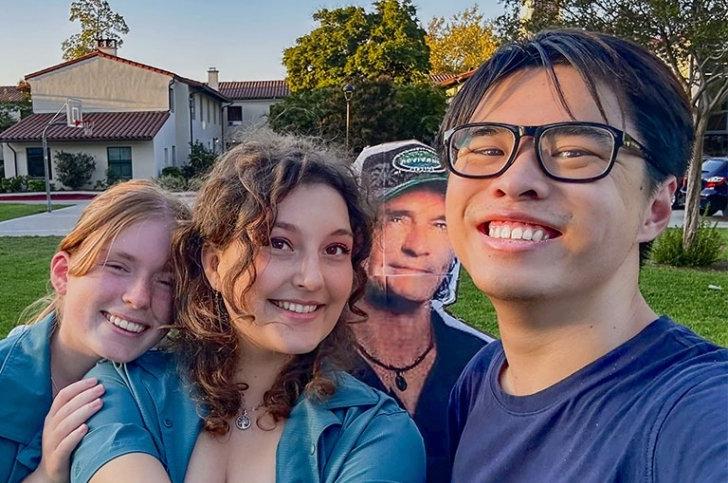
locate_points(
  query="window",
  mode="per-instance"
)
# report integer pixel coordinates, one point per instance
(216, 108)
(120, 162)
(174, 155)
(166, 157)
(192, 107)
(34, 156)
(207, 108)
(171, 99)
(202, 111)
(235, 115)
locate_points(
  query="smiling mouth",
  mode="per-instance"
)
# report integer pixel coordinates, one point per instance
(126, 325)
(296, 307)
(516, 230)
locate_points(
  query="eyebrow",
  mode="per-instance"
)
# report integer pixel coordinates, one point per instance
(131, 258)
(290, 227)
(409, 213)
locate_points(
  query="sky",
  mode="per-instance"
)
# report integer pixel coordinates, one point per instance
(243, 39)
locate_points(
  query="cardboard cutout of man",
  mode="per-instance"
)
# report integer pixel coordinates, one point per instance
(410, 347)
(563, 153)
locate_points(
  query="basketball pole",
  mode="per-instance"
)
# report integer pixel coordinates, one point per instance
(47, 157)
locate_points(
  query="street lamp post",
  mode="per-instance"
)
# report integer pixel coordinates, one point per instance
(348, 92)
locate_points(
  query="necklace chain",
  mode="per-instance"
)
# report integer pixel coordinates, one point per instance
(399, 379)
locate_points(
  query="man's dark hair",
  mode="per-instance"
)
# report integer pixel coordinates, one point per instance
(649, 94)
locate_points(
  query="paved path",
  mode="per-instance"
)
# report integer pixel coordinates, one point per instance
(59, 222)
(56, 223)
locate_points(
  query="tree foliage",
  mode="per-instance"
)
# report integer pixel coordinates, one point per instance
(11, 112)
(74, 169)
(460, 44)
(97, 21)
(381, 111)
(350, 44)
(200, 161)
(689, 35)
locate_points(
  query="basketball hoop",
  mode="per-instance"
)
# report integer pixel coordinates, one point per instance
(88, 128)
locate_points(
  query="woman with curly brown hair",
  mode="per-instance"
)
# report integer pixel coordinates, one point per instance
(270, 269)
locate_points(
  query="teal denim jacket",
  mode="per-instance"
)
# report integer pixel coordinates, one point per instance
(357, 435)
(25, 398)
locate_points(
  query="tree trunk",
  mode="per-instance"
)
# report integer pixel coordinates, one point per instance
(692, 200)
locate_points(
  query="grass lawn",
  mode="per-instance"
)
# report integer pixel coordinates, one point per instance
(9, 211)
(682, 293)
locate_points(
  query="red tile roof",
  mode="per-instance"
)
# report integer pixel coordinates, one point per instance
(437, 78)
(271, 89)
(10, 94)
(449, 80)
(98, 53)
(107, 126)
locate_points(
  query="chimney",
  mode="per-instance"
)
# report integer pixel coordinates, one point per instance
(212, 78)
(107, 46)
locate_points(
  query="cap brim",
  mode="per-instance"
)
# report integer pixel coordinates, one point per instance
(414, 183)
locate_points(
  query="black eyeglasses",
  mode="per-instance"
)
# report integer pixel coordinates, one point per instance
(574, 152)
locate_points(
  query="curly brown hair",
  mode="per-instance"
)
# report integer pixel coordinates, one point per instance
(239, 201)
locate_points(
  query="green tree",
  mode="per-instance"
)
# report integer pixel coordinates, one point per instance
(97, 21)
(350, 43)
(9, 111)
(200, 161)
(381, 111)
(74, 169)
(460, 44)
(689, 35)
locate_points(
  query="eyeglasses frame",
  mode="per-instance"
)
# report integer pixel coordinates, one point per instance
(619, 137)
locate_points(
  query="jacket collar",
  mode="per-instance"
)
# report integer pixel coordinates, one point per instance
(300, 443)
(25, 379)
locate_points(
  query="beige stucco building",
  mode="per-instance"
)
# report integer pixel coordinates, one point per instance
(138, 119)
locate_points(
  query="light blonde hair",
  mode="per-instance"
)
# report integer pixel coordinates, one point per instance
(101, 222)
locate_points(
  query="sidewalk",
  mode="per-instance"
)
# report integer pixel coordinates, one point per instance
(58, 222)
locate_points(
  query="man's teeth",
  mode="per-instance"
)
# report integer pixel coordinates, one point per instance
(125, 324)
(298, 308)
(518, 232)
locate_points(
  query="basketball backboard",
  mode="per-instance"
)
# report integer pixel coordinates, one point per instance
(74, 113)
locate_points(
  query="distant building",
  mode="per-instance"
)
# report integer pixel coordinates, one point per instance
(138, 119)
(250, 103)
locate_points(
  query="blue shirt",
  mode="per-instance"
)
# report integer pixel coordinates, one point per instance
(25, 397)
(653, 409)
(356, 435)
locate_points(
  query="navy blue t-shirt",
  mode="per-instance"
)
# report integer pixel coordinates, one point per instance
(653, 409)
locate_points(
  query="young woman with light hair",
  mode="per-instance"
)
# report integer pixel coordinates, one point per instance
(112, 297)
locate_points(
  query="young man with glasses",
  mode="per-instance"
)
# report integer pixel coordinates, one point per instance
(563, 152)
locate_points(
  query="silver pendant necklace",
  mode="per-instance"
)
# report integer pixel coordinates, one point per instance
(243, 421)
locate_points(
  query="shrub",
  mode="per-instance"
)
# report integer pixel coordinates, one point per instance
(668, 248)
(36, 185)
(172, 171)
(74, 169)
(200, 161)
(112, 178)
(14, 185)
(194, 184)
(172, 183)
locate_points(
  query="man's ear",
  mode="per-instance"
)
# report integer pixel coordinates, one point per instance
(657, 211)
(210, 263)
(60, 265)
